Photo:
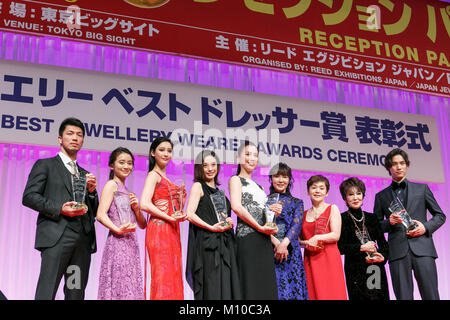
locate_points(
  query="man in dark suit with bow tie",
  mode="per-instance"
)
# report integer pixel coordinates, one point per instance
(412, 250)
(64, 235)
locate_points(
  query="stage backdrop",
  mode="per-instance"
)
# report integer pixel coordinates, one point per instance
(19, 262)
(305, 134)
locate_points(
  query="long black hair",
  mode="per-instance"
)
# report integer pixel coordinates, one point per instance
(284, 170)
(113, 157)
(153, 146)
(199, 174)
(241, 148)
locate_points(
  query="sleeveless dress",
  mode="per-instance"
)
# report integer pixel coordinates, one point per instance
(324, 272)
(163, 245)
(120, 271)
(254, 249)
(211, 267)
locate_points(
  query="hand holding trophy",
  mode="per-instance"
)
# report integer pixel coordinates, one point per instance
(220, 207)
(367, 245)
(397, 208)
(177, 196)
(123, 204)
(314, 244)
(273, 208)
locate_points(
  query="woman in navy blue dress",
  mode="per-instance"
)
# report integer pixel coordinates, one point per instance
(289, 268)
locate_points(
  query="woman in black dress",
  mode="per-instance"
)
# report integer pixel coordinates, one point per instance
(364, 246)
(211, 268)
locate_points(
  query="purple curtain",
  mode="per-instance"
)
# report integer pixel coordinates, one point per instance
(20, 262)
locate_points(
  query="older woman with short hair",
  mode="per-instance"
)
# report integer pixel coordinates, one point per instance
(320, 232)
(364, 246)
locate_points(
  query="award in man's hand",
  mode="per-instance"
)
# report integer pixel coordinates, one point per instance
(79, 190)
(122, 201)
(397, 207)
(220, 206)
(270, 215)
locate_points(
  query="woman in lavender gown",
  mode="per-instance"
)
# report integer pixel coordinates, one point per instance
(289, 269)
(120, 271)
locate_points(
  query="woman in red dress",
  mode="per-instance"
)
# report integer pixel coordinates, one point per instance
(162, 237)
(320, 232)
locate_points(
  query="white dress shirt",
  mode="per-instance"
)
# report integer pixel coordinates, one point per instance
(66, 160)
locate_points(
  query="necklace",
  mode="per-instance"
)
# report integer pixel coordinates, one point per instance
(354, 218)
(363, 236)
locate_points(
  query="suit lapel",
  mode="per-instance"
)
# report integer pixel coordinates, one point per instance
(64, 173)
(389, 197)
(410, 196)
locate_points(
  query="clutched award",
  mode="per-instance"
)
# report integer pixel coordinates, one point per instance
(176, 198)
(364, 238)
(361, 233)
(397, 207)
(122, 201)
(79, 182)
(219, 202)
(270, 215)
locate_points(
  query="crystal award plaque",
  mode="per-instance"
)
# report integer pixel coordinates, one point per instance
(362, 235)
(364, 238)
(122, 201)
(397, 207)
(270, 215)
(219, 202)
(176, 198)
(79, 190)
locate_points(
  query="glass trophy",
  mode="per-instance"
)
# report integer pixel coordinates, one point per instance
(176, 198)
(397, 207)
(270, 215)
(364, 239)
(79, 190)
(122, 201)
(219, 202)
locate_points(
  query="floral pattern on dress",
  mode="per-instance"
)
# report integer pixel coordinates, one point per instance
(120, 271)
(254, 200)
(291, 279)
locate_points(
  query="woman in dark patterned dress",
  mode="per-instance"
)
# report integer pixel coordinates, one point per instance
(289, 267)
(254, 248)
(365, 276)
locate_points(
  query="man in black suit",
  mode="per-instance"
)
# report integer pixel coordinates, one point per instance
(413, 250)
(64, 235)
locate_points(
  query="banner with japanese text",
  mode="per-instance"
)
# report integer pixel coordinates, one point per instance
(128, 111)
(402, 44)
